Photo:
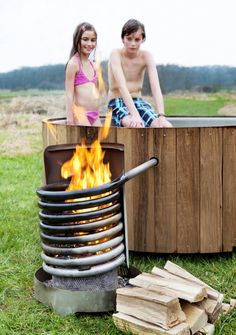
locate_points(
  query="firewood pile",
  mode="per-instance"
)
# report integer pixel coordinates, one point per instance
(169, 301)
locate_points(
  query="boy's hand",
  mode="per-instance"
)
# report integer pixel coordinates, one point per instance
(164, 123)
(136, 122)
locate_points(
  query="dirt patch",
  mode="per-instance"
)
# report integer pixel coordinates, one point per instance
(21, 119)
(228, 110)
(192, 95)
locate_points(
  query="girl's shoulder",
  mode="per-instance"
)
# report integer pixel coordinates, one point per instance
(74, 59)
(73, 63)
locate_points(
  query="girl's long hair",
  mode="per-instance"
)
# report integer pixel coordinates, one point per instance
(80, 29)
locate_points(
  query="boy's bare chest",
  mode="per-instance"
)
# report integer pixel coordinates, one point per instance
(132, 68)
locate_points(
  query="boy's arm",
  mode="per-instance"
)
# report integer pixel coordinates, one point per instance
(154, 83)
(115, 62)
(156, 89)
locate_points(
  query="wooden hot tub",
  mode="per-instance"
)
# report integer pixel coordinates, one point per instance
(187, 204)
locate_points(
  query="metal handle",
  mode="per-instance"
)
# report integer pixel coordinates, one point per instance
(49, 193)
(140, 168)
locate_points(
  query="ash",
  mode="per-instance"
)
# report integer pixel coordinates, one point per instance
(122, 281)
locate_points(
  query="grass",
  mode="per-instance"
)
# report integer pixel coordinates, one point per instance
(184, 107)
(21, 174)
(20, 313)
(200, 104)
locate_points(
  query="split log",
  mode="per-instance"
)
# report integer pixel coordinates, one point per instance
(211, 307)
(178, 271)
(209, 329)
(166, 274)
(232, 303)
(127, 323)
(160, 285)
(216, 313)
(226, 308)
(196, 317)
(162, 310)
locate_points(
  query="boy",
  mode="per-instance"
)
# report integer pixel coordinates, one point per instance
(126, 73)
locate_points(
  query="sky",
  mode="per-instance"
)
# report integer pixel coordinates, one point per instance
(182, 32)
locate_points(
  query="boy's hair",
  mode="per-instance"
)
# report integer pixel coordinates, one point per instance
(80, 29)
(131, 26)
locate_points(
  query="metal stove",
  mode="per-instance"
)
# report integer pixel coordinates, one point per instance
(84, 235)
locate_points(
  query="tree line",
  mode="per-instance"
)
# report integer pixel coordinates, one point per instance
(172, 78)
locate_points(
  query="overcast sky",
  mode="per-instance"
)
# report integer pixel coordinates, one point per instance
(183, 32)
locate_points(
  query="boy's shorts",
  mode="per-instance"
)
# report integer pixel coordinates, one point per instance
(119, 110)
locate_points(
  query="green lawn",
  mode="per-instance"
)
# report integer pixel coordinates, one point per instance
(20, 175)
(193, 107)
(20, 313)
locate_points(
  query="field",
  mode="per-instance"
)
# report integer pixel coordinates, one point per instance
(21, 174)
(23, 111)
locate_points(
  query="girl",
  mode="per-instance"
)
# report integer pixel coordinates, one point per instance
(126, 74)
(82, 96)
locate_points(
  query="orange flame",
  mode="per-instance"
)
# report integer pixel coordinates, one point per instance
(101, 83)
(87, 168)
(79, 113)
(52, 130)
(104, 131)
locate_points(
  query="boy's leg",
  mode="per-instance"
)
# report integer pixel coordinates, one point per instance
(126, 121)
(147, 113)
(120, 113)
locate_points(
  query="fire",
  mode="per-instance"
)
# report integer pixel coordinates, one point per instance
(52, 130)
(87, 168)
(101, 83)
(78, 112)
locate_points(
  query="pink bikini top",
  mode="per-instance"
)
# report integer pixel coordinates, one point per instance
(81, 78)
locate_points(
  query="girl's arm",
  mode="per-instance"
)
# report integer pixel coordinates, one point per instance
(115, 62)
(71, 70)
